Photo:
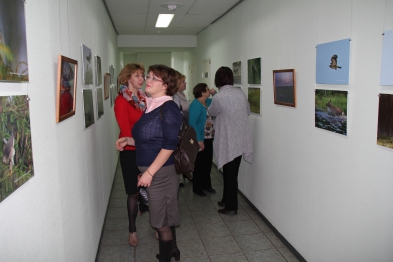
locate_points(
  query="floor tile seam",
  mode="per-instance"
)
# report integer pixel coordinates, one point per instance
(278, 250)
(271, 241)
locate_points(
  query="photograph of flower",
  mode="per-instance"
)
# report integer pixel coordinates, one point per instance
(13, 47)
(16, 167)
(331, 110)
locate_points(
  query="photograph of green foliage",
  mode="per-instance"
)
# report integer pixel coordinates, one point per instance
(331, 110)
(254, 98)
(13, 47)
(67, 70)
(284, 84)
(88, 107)
(237, 72)
(385, 121)
(17, 159)
(254, 71)
(100, 103)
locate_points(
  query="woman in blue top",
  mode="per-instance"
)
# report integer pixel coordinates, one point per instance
(155, 136)
(202, 122)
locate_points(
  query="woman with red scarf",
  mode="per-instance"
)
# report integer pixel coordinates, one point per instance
(129, 107)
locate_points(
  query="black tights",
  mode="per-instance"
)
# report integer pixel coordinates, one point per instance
(165, 233)
(132, 208)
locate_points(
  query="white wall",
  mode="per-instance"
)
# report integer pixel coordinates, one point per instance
(58, 214)
(329, 195)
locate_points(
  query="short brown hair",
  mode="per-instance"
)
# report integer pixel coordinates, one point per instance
(127, 71)
(168, 76)
(224, 76)
(199, 89)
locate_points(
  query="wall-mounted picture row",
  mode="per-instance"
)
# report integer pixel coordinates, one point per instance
(284, 84)
(385, 122)
(237, 72)
(16, 167)
(254, 71)
(67, 70)
(331, 110)
(332, 66)
(254, 98)
(13, 47)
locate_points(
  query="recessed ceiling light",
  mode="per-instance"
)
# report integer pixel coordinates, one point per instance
(164, 20)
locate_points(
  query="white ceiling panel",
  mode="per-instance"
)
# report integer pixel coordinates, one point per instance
(132, 20)
(127, 6)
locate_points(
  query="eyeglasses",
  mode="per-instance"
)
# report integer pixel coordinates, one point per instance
(152, 78)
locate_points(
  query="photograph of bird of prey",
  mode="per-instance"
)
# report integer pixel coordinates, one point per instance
(329, 68)
(16, 166)
(254, 71)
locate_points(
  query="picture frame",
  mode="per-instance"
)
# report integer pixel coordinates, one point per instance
(88, 107)
(254, 71)
(100, 103)
(107, 84)
(385, 124)
(284, 85)
(254, 98)
(67, 72)
(237, 72)
(87, 65)
(98, 70)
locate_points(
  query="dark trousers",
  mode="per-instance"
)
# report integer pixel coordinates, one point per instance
(230, 173)
(202, 168)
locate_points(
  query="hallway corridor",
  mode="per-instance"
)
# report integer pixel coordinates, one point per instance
(204, 234)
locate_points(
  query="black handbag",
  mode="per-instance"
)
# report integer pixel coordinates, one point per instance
(143, 203)
(187, 149)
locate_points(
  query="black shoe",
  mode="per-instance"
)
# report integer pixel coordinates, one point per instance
(188, 176)
(200, 194)
(211, 190)
(226, 212)
(221, 203)
(181, 184)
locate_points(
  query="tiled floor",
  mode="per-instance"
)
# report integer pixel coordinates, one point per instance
(204, 234)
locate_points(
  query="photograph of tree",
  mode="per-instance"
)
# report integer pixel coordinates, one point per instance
(87, 61)
(254, 98)
(254, 71)
(331, 110)
(13, 48)
(385, 121)
(237, 72)
(17, 156)
(88, 107)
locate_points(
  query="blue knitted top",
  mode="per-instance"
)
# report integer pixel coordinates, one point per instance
(153, 133)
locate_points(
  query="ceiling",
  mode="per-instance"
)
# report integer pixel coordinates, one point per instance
(138, 17)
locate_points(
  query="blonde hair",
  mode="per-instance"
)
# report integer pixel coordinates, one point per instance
(127, 71)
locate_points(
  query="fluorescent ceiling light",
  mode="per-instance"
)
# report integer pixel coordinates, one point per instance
(164, 20)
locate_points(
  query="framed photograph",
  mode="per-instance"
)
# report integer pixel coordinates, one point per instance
(16, 167)
(107, 84)
(331, 110)
(333, 63)
(254, 71)
(14, 66)
(387, 59)
(112, 73)
(87, 62)
(98, 70)
(284, 85)
(100, 103)
(385, 123)
(254, 98)
(88, 107)
(237, 72)
(67, 70)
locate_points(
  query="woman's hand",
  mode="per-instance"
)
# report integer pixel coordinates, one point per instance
(201, 145)
(213, 91)
(145, 179)
(124, 141)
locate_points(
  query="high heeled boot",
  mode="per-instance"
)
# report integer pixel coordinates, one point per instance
(166, 248)
(175, 251)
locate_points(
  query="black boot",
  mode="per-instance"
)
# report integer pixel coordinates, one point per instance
(166, 248)
(176, 251)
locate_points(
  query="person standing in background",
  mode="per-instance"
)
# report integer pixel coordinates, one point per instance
(232, 137)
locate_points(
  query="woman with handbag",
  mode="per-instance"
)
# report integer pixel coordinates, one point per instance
(155, 136)
(233, 136)
(202, 123)
(129, 106)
